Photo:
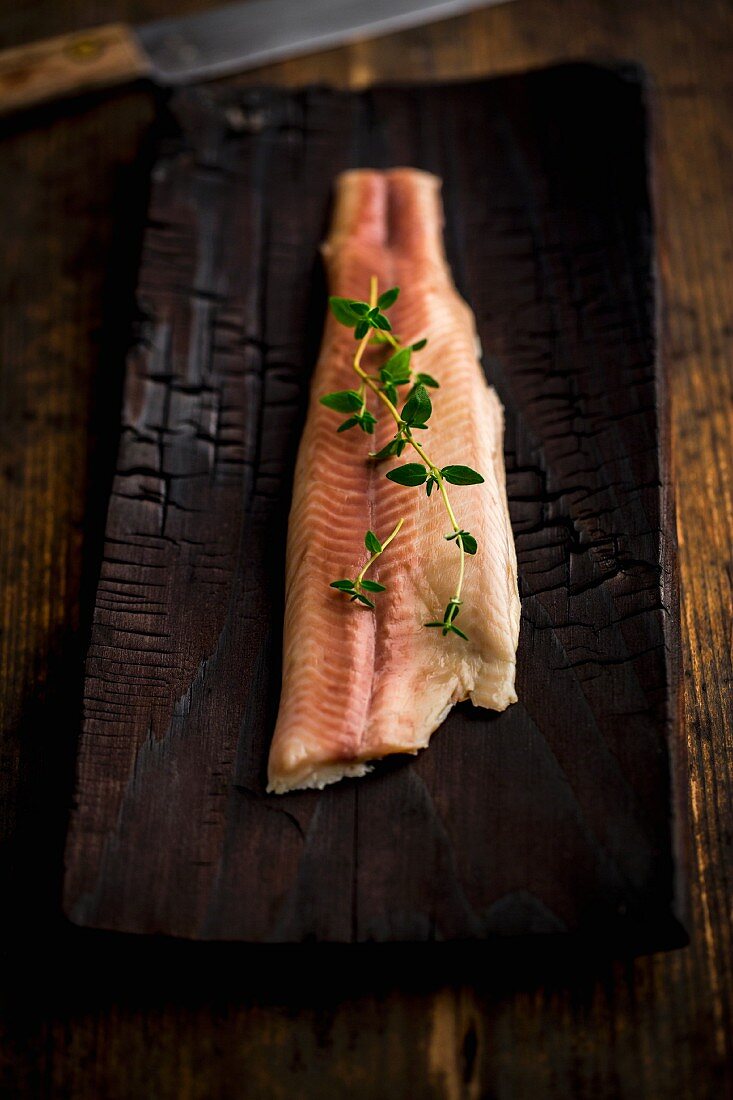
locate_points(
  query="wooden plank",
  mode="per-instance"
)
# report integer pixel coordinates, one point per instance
(554, 817)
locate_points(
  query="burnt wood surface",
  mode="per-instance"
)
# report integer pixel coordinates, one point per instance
(552, 817)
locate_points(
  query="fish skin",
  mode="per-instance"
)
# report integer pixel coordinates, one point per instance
(359, 684)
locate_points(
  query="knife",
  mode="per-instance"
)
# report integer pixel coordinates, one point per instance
(208, 44)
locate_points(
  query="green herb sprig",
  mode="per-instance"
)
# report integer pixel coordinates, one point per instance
(355, 589)
(371, 325)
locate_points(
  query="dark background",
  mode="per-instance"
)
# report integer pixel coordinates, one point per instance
(89, 1015)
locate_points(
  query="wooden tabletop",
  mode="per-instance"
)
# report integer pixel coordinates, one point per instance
(89, 1015)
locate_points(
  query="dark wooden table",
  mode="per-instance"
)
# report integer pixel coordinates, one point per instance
(89, 1015)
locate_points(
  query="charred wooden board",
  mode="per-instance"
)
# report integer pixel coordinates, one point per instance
(554, 817)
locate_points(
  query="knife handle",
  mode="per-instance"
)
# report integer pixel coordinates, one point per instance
(68, 64)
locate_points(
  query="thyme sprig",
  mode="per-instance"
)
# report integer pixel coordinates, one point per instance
(355, 589)
(371, 325)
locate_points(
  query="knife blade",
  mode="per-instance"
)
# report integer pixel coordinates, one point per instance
(204, 45)
(242, 36)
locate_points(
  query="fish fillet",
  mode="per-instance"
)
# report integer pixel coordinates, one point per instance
(360, 684)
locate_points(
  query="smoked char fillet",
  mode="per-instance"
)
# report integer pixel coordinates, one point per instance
(359, 684)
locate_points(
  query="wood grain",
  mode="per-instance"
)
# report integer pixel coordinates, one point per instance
(95, 1017)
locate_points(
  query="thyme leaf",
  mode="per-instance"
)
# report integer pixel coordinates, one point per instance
(388, 298)
(418, 408)
(344, 401)
(461, 475)
(412, 473)
(397, 368)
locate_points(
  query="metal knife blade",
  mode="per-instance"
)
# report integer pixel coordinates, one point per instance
(245, 35)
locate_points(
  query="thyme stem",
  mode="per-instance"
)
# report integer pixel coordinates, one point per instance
(374, 556)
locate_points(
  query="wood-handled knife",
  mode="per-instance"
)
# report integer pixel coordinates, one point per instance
(209, 44)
